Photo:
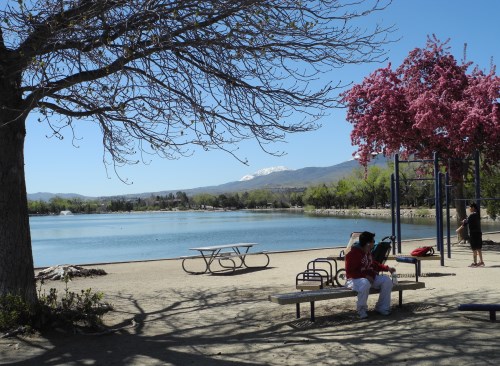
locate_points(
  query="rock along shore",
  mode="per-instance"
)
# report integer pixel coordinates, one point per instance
(382, 212)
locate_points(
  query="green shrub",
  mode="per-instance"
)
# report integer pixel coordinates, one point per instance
(355, 212)
(70, 309)
(85, 308)
(14, 312)
(422, 212)
(309, 208)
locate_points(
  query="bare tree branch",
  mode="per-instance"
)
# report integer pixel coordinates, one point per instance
(160, 76)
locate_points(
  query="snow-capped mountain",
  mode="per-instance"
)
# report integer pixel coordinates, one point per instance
(265, 171)
(270, 178)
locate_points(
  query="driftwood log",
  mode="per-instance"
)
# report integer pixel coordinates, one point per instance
(60, 271)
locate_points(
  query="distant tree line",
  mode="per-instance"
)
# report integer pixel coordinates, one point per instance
(180, 201)
(361, 189)
(372, 189)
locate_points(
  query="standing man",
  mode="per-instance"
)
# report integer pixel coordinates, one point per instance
(362, 274)
(473, 222)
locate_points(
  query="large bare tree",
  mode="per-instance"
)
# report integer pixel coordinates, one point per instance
(162, 77)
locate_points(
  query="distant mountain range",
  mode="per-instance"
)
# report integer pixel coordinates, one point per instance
(269, 178)
(46, 196)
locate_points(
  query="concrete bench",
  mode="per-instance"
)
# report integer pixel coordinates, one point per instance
(334, 293)
(491, 308)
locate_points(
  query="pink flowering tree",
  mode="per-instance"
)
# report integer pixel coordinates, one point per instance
(429, 103)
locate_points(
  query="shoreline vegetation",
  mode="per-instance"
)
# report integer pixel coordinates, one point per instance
(382, 212)
(416, 212)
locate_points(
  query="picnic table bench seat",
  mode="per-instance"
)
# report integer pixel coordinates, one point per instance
(229, 256)
(226, 256)
(332, 293)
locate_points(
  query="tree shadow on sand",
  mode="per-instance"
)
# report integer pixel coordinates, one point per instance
(240, 327)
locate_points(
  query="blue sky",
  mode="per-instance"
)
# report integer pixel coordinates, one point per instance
(58, 166)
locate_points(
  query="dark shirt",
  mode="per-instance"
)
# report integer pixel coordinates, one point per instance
(474, 223)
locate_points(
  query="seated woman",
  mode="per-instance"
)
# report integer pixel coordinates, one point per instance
(362, 273)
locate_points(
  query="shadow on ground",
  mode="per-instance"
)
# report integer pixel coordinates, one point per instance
(240, 327)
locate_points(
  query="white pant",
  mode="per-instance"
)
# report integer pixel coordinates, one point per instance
(362, 287)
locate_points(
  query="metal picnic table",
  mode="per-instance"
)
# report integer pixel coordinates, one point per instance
(228, 256)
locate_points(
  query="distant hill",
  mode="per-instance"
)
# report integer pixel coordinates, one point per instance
(46, 196)
(299, 178)
(275, 179)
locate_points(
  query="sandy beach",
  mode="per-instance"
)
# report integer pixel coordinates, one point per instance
(168, 317)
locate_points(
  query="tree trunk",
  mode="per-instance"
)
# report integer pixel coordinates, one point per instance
(459, 171)
(16, 258)
(462, 234)
(460, 205)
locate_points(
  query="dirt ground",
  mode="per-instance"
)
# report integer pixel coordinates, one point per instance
(164, 316)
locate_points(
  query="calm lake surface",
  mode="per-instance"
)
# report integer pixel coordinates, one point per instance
(80, 239)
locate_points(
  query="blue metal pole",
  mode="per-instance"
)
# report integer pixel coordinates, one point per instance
(440, 223)
(436, 194)
(447, 198)
(436, 199)
(393, 222)
(398, 203)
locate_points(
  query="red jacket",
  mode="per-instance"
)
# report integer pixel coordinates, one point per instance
(359, 264)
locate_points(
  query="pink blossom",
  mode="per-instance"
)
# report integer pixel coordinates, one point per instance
(429, 103)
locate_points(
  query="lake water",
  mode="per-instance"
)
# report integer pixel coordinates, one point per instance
(83, 239)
